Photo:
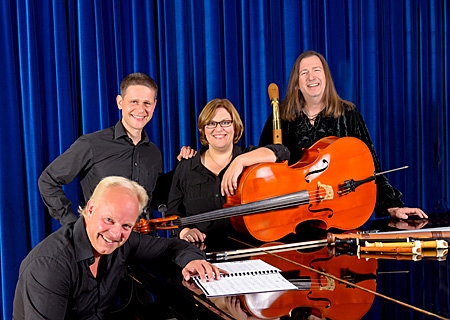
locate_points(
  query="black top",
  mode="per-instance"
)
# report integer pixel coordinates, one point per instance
(108, 152)
(196, 190)
(301, 134)
(55, 281)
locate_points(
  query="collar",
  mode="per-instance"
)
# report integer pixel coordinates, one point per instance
(119, 132)
(83, 247)
(196, 161)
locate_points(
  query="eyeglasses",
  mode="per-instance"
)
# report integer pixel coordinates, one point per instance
(223, 124)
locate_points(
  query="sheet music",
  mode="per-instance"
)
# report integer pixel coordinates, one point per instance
(248, 276)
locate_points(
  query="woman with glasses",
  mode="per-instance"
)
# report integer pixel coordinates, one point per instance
(201, 183)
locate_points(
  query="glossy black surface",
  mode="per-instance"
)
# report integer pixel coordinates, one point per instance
(406, 289)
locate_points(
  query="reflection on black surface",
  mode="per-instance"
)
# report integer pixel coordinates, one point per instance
(318, 295)
(401, 275)
(422, 282)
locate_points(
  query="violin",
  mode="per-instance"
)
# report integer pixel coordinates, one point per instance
(333, 184)
(324, 297)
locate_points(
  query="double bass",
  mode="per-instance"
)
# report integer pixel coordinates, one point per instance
(325, 297)
(329, 285)
(333, 184)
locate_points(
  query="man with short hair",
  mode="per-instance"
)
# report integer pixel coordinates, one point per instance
(74, 273)
(122, 150)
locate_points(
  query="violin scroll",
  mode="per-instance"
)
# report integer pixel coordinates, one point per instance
(148, 225)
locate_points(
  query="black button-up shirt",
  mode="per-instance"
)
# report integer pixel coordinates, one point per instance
(108, 152)
(55, 281)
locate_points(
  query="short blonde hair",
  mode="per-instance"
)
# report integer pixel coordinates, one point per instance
(114, 181)
(208, 113)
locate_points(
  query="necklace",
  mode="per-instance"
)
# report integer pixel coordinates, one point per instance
(221, 166)
(311, 117)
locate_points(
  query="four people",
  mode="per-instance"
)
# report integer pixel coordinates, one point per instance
(312, 110)
(74, 272)
(201, 183)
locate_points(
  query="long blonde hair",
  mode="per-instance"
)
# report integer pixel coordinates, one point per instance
(294, 102)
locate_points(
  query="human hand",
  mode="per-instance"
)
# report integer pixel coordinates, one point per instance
(192, 235)
(405, 212)
(186, 153)
(230, 178)
(205, 270)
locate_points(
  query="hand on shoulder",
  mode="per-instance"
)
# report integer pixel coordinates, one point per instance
(186, 152)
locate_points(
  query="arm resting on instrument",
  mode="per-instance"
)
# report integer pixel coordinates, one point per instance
(270, 153)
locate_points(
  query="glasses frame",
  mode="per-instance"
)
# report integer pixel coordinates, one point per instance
(208, 126)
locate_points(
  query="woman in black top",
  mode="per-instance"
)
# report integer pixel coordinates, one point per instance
(312, 110)
(201, 183)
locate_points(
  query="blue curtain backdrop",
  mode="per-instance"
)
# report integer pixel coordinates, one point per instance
(63, 62)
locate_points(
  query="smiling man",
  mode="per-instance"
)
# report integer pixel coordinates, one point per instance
(74, 273)
(122, 150)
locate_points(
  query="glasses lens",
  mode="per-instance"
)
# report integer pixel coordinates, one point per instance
(223, 124)
(226, 123)
(211, 125)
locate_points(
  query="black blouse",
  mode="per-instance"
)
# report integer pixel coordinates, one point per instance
(301, 134)
(196, 190)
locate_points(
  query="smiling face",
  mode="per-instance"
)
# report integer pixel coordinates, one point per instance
(220, 138)
(312, 80)
(137, 107)
(110, 219)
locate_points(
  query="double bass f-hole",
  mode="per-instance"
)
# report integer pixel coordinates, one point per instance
(321, 210)
(326, 165)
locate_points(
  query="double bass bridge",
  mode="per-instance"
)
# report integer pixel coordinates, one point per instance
(329, 194)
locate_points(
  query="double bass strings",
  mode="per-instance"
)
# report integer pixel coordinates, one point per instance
(260, 206)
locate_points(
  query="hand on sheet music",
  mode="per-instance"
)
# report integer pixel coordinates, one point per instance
(192, 235)
(205, 270)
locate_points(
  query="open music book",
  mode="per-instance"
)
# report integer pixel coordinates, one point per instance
(247, 276)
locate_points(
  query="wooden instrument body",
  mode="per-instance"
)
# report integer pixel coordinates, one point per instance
(329, 161)
(327, 298)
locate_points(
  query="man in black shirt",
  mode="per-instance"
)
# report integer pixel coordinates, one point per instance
(74, 272)
(122, 150)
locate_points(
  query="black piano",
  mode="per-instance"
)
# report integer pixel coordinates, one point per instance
(361, 285)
